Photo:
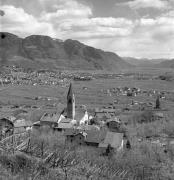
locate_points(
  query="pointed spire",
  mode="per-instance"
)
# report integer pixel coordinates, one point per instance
(70, 91)
(70, 103)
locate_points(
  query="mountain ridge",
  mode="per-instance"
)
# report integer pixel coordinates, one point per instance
(38, 51)
(143, 62)
(166, 64)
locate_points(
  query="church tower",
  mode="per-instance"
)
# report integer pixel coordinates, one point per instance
(70, 103)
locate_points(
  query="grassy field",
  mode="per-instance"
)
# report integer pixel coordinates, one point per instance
(90, 93)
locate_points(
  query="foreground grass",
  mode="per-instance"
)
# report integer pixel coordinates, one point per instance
(143, 161)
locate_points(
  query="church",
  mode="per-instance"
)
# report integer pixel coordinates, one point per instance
(68, 118)
(70, 115)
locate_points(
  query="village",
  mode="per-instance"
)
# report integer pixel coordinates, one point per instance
(108, 114)
(104, 128)
(76, 125)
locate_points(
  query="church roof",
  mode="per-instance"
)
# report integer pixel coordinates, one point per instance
(70, 91)
(79, 113)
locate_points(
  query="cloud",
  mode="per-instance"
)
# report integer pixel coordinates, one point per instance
(16, 20)
(75, 20)
(65, 10)
(149, 37)
(160, 28)
(96, 27)
(157, 4)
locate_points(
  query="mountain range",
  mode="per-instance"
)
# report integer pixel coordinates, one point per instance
(167, 64)
(145, 62)
(37, 51)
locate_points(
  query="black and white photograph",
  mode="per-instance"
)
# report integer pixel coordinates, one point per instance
(86, 89)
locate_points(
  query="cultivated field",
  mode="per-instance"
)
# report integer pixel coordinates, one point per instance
(94, 93)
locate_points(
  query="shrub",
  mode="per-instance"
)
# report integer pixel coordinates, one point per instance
(169, 128)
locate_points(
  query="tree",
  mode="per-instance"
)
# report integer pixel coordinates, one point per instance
(158, 106)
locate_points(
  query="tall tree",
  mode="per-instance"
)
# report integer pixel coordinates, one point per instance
(158, 105)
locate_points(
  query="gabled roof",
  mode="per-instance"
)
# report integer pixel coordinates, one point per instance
(79, 114)
(89, 127)
(114, 139)
(65, 120)
(95, 136)
(113, 120)
(70, 131)
(7, 120)
(65, 125)
(22, 123)
(104, 110)
(19, 130)
(52, 117)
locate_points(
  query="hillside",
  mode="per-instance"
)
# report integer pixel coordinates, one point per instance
(143, 62)
(38, 51)
(166, 64)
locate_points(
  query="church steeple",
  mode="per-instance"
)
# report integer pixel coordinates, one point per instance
(70, 103)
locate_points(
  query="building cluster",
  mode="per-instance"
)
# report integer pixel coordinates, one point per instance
(78, 127)
(20, 76)
(134, 91)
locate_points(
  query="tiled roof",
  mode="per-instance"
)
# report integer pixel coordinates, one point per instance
(65, 120)
(113, 119)
(22, 123)
(89, 127)
(53, 117)
(92, 136)
(65, 125)
(71, 131)
(79, 114)
(104, 110)
(114, 139)
(95, 136)
(6, 120)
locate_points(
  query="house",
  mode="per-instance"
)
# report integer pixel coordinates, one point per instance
(113, 140)
(85, 118)
(93, 138)
(78, 138)
(100, 139)
(64, 124)
(84, 137)
(113, 124)
(6, 128)
(158, 116)
(89, 127)
(21, 125)
(104, 113)
(47, 120)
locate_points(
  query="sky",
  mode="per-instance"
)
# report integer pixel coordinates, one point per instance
(130, 28)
